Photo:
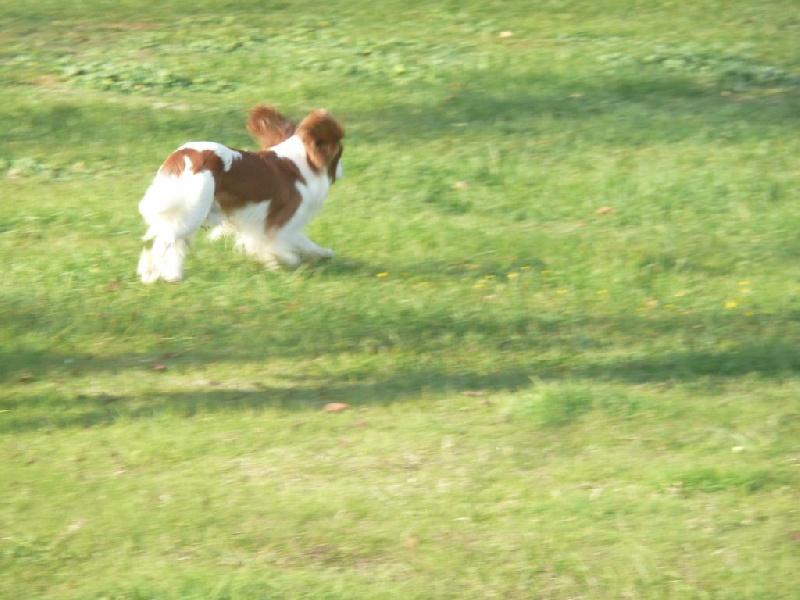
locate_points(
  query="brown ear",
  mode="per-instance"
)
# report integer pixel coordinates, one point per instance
(322, 135)
(269, 127)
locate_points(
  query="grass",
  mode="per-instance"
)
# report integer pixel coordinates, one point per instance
(564, 310)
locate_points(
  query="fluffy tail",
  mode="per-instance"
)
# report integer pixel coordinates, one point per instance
(173, 208)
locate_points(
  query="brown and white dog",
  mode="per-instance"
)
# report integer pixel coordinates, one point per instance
(264, 198)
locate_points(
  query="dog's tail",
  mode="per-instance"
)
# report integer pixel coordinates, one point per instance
(269, 127)
(174, 207)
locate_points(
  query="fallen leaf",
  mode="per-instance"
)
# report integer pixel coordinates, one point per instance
(604, 210)
(114, 285)
(411, 543)
(460, 185)
(159, 367)
(474, 393)
(25, 377)
(506, 34)
(336, 407)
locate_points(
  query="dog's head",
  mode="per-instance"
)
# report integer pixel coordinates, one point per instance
(322, 136)
(269, 127)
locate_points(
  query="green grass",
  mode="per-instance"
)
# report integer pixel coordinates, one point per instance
(564, 310)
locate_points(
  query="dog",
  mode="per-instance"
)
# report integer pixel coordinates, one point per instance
(264, 198)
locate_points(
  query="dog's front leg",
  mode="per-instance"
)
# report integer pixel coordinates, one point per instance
(309, 250)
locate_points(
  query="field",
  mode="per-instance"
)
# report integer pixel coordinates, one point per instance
(564, 310)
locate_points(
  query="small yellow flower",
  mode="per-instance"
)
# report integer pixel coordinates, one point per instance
(526, 269)
(744, 283)
(512, 275)
(731, 304)
(601, 292)
(383, 275)
(561, 292)
(680, 294)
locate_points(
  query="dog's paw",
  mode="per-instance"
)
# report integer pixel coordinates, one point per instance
(284, 260)
(147, 269)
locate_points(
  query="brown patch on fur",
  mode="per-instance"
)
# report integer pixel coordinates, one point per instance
(199, 160)
(256, 177)
(322, 136)
(175, 163)
(269, 127)
(334, 164)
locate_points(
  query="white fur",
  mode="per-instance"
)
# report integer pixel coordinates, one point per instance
(228, 155)
(174, 207)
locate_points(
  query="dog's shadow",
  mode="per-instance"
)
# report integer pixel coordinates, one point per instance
(339, 266)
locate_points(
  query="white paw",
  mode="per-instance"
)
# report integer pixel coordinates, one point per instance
(285, 260)
(147, 268)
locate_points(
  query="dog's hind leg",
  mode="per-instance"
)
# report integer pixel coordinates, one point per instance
(147, 268)
(172, 268)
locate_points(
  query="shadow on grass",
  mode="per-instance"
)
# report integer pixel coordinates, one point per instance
(87, 410)
(637, 105)
(776, 359)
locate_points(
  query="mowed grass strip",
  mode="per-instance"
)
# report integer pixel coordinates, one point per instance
(560, 332)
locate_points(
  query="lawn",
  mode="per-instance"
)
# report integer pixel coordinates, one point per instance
(563, 314)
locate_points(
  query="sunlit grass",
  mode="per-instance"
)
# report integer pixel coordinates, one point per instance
(563, 312)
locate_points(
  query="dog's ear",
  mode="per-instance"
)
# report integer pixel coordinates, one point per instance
(269, 127)
(322, 135)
